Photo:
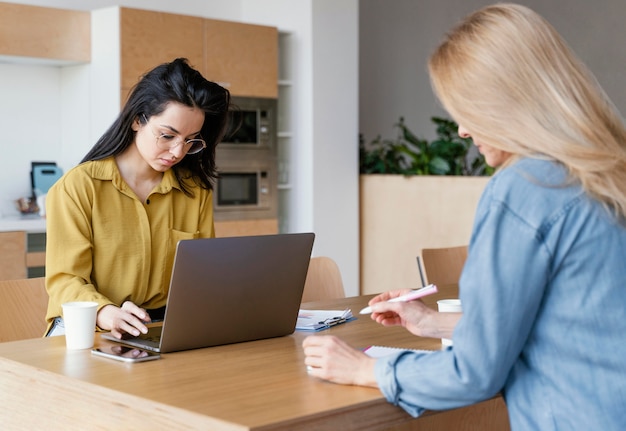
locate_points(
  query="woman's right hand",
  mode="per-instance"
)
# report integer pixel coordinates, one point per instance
(127, 319)
(415, 316)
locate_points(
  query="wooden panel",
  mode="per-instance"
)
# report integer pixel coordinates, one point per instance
(23, 305)
(47, 33)
(402, 215)
(151, 38)
(488, 415)
(242, 57)
(246, 227)
(124, 93)
(12, 255)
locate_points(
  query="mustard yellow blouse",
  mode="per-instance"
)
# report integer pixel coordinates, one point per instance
(105, 245)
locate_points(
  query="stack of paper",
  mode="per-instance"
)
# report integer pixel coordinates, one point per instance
(317, 320)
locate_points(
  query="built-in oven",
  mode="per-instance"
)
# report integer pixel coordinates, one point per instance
(246, 191)
(247, 186)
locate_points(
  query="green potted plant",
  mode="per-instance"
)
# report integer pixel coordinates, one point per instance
(414, 194)
(411, 155)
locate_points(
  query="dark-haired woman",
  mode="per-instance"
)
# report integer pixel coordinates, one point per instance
(114, 220)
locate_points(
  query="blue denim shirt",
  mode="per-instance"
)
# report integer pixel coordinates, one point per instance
(544, 300)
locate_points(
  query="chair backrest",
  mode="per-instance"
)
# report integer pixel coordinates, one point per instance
(23, 305)
(323, 280)
(443, 267)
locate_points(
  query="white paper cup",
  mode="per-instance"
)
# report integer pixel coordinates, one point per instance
(80, 324)
(449, 306)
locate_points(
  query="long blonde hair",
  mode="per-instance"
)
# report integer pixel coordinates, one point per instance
(506, 75)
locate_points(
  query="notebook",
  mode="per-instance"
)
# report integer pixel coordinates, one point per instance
(230, 290)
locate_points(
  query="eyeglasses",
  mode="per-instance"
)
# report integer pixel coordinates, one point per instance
(166, 141)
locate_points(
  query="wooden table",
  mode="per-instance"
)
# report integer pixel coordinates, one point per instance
(258, 385)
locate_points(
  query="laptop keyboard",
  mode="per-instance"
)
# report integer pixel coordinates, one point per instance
(151, 339)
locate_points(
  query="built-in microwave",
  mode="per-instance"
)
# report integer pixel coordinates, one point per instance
(253, 124)
(246, 191)
(246, 159)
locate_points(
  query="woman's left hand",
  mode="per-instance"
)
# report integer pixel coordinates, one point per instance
(332, 359)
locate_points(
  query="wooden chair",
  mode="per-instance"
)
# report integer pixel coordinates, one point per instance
(323, 280)
(443, 267)
(23, 306)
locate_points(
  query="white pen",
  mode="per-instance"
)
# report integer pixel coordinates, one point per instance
(424, 291)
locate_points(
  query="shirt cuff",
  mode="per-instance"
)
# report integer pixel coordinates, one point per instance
(385, 373)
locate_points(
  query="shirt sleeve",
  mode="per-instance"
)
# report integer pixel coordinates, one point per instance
(500, 297)
(69, 250)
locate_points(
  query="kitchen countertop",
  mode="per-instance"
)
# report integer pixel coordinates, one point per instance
(27, 223)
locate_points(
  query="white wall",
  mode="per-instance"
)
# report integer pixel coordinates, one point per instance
(324, 56)
(335, 125)
(30, 120)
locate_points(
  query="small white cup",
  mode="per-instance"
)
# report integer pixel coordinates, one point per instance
(79, 319)
(449, 306)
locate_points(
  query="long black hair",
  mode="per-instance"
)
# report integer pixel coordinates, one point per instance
(172, 82)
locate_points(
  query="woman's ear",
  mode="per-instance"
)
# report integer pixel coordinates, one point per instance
(136, 125)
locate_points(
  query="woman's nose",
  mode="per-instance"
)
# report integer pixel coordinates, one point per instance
(463, 133)
(178, 151)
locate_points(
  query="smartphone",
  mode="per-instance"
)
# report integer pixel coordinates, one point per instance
(125, 353)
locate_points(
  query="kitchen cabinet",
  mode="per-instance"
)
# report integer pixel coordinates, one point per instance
(22, 254)
(12, 255)
(246, 227)
(149, 38)
(242, 57)
(45, 33)
(35, 254)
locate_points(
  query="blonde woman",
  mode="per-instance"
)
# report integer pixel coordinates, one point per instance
(544, 285)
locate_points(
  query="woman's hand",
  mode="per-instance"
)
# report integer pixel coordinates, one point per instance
(415, 316)
(129, 318)
(330, 358)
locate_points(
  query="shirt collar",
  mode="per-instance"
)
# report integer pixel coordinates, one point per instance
(107, 169)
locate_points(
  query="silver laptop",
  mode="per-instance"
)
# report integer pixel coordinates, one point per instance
(230, 290)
